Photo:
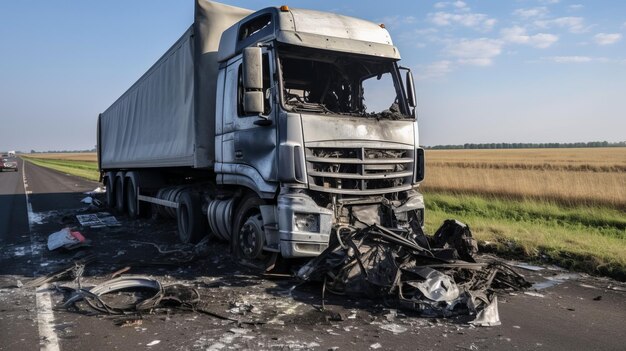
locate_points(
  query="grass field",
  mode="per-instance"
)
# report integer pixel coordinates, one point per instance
(593, 176)
(84, 165)
(566, 206)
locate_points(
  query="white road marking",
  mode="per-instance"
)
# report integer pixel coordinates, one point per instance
(48, 340)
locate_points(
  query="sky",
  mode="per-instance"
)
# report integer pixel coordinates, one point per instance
(486, 71)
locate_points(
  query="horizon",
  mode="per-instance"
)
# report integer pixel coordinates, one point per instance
(529, 71)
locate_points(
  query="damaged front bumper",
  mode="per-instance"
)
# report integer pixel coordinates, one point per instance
(304, 228)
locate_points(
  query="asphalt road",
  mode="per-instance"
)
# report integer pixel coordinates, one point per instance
(578, 313)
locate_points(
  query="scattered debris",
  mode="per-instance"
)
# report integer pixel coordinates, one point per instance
(175, 295)
(98, 220)
(375, 346)
(152, 343)
(73, 271)
(532, 293)
(394, 328)
(529, 267)
(488, 316)
(128, 322)
(437, 277)
(65, 238)
(597, 298)
(555, 280)
(98, 190)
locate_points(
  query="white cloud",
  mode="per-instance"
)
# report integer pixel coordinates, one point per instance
(459, 5)
(575, 7)
(607, 38)
(435, 69)
(518, 35)
(476, 52)
(535, 12)
(549, 2)
(572, 24)
(576, 59)
(477, 21)
(571, 59)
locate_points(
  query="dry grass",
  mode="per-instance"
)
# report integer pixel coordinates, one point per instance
(593, 176)
(71, 156)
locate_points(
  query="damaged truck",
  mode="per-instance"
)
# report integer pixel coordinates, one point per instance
(271, 130)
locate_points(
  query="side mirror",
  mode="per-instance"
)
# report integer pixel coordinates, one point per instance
(253, 99)
(410, 89)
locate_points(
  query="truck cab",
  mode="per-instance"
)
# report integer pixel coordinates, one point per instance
(317, 119)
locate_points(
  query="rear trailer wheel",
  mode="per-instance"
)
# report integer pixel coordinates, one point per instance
(120, 205)
(191, 222)
(131, 199)
(248, 235)
(110, 190)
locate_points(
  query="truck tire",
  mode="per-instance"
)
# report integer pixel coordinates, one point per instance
(120, 204)
(131, 197)
(248, 234)
(109, 183)
(135, 208)
(191, 222)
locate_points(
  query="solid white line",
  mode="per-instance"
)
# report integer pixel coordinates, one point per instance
(48, 340)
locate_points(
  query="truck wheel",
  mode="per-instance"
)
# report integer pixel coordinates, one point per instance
(109, 184)
(131, 198)
(120, 206)
(134, 208)
(191, 221)
(248, 235)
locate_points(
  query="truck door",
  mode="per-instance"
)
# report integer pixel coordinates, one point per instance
(249, 148)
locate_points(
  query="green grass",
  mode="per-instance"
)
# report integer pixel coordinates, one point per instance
(589, 239)
(83, 169)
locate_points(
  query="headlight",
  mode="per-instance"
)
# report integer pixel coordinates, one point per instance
(307, 222)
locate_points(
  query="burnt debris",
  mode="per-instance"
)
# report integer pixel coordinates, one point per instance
(435, 276)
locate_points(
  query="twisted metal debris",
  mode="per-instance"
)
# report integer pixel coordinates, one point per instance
(435, 276)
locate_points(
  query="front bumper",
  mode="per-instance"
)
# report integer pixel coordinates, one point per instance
(295, 240)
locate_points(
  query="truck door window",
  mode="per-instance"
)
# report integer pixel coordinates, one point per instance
(266, 88)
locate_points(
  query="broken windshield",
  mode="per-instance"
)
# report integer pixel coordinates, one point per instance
(333, 83)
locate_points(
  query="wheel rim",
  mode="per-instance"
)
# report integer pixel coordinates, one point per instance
(251, 237)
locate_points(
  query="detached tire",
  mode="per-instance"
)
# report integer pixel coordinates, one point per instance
(191, 222)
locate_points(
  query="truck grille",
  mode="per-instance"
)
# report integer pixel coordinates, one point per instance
(360, 171)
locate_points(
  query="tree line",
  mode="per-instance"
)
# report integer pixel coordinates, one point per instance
(528, 145)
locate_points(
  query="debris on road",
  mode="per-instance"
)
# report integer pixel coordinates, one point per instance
(437, 277)
(98, 220)
(152, 343)
(174, 295)
(555, 280)
(98, 190)
(65, 238)
(72, 271)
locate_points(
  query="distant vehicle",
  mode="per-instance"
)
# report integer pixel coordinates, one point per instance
(11, 153)
(7, 162)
